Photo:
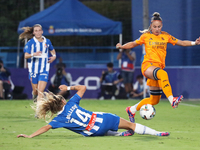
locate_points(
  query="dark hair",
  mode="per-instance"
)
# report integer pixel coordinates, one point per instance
(60, 65)
(139, 76)
(1, 61)
(110, 65)
(156, 16)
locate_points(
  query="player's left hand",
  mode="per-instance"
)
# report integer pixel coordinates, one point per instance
(23, 135)
(51, 59)
(118, 46)
(197, 42)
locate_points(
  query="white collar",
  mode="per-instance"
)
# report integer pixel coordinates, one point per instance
(36, 40)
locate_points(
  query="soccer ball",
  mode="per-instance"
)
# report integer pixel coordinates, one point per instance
(147, 111)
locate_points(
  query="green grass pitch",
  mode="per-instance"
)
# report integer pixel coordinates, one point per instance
(183, 123)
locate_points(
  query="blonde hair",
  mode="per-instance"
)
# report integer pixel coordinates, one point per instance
(48, 105)
(156, 16)
(28, 32)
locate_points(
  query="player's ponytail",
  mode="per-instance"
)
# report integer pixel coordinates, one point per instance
(48, 105)
(28, 32)
(145, 30)
(156, 16)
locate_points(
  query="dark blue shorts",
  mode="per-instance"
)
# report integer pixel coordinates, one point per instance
(110, 122)
(35, 78)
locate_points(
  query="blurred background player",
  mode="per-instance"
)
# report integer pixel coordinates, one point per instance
(36, 52)
(138, 88)
(5, 82)
(61, 77)
(155, 42)
(109, 81)
(79, 120)
(128, 58)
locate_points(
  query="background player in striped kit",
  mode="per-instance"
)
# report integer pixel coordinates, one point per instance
(37, 54)
(155, 42)
(79, 120)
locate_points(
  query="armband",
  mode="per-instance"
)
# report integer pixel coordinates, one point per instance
(54, 55)
(68, 88)
(193, 43)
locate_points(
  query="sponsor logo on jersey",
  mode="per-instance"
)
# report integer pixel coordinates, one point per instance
(26, 47)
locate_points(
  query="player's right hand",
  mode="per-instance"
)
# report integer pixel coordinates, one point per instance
(39, 53)
(23, 135)
(63, 87)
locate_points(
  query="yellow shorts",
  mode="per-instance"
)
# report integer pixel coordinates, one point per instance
(150, 82)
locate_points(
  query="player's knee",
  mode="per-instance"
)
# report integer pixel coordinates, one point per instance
(133, 125)
(155, 96)
(155, 73)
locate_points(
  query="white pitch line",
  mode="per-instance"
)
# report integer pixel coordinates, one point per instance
(184, 132)
(188, 105)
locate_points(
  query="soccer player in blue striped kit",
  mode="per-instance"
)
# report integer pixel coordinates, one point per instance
(37, 54)
(79, 120)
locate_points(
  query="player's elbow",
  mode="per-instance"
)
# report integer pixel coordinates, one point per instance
(83, 88)
(47, 127)
(184, 44)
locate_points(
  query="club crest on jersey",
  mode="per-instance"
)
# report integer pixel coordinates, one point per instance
(150, 39)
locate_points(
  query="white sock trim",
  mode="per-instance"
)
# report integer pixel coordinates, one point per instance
(170, 98)
(133, 108)
(141, 129)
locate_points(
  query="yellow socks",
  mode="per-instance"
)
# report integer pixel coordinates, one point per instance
(166, 87)
(153, 100)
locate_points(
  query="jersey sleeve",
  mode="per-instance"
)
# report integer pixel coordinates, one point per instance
(50, 45)
(75, 99)
(172, 40)
(27, 48)
(140, 40)
(55, 124)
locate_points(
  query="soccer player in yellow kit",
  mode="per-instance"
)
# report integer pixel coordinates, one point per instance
(155, 42)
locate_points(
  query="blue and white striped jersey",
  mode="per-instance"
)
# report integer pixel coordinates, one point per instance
(77, 119)
(38, 64)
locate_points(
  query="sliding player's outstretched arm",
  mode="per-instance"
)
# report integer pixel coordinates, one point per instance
(80, 88)
(38, 132)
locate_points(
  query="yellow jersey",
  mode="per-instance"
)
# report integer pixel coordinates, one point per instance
(155, 46)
